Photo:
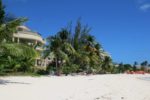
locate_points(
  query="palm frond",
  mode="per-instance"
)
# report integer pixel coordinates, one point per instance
(8, 29)
(17, 50)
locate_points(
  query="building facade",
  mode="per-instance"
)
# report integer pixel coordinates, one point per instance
(33, 39)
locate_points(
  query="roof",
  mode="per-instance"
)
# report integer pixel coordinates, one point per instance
(26, 30)
(26, 33)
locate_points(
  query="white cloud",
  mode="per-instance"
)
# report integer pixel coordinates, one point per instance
(145, 7)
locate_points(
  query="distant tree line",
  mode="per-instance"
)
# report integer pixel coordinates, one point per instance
(143, 66)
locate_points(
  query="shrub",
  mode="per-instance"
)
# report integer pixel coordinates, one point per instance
(73, 68)
(42, 72)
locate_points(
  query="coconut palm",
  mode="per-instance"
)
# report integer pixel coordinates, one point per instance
(7, 48)
(80, 35)
(7, 28)
(17, 50)
(106, 64)
(59, 48)
(76, 47)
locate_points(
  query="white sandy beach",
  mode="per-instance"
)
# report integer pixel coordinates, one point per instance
(97, 87)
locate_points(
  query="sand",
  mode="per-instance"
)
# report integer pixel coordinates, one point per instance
(95, 87)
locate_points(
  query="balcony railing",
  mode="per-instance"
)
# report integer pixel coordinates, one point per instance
(29, 35)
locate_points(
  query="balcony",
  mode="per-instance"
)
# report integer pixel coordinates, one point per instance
(29, 36)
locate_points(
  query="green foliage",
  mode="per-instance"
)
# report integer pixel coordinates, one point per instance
(16, 57)
(41, 71)
(73, 68)
(16, 64)
(13, 57)
(128, 67)
(76, 51)
(17, 50)
(122, 68)
(8, 28)
(107, 65)
(144, 63)
(2, 12)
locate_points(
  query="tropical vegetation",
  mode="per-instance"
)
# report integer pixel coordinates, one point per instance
(71, 50)
(75, 50)
(13, 57)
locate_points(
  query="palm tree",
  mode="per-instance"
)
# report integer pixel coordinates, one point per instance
(144, 65)
(135, 66)
(106, 64)
(17, 50)
(76, 47)
(59, 48)
(7, 28)
(7, 48)
(80, 35)
(121, 68)
(2, 12)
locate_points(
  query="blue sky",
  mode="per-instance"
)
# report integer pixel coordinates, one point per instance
(121, 26)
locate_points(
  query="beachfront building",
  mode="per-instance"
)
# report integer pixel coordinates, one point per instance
(105, 54)
(34, 39)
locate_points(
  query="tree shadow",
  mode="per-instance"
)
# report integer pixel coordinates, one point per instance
(5, 82)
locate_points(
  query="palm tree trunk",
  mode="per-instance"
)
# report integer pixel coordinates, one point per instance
(56, 65)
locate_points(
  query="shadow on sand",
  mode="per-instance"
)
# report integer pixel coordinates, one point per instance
(5, 82)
